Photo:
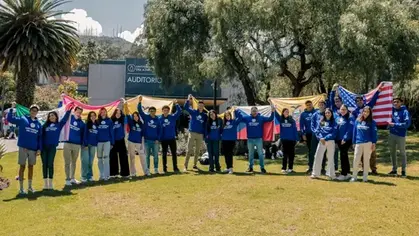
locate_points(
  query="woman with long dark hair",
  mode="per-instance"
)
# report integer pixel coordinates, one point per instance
(345, 128)
(289, 138)
(229, 138)
(119, 156)
(364, 138)
(326, 134)
(105, 138)
(212, 136)
(50, 138)
(135, 141)
(88, 150)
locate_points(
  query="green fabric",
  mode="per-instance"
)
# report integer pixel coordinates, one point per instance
(21, 110)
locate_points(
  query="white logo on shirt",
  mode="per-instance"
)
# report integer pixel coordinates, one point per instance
(199, 117)
(166, 120)
(396, 114)
(32, 125)
(363, 123)
(228, 123)
(52, 125)
(286, 121)
(253, 120)
(310, 114)
(137, 125)
(116, 122)
(94, 126)
(75, 123)
(151, 121)
(103, 122)
(213, 123)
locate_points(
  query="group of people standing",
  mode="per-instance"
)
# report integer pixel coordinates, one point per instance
(331, 125)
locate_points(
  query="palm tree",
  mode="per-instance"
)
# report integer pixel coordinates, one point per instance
(34, 41)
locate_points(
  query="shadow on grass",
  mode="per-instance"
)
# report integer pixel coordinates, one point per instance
(43, 193)
(369, 182)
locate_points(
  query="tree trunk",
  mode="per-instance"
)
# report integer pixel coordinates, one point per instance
(25, 86)
(296, 91)
(322, 87)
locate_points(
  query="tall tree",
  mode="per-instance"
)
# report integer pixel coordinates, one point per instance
(34, 41)
(90, 53)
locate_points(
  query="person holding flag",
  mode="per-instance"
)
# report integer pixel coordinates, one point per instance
(400, 122)
(29, 142)
(72, 146)
(212, 135)
(106, 140)
(289, 138)
(89, 148)
(168, 134)
(197, 125)
(254, 124)
(152, 131)
(229, 138)
(118, 161)
(50, 138)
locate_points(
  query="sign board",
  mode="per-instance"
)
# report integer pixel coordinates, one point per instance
(139, 79)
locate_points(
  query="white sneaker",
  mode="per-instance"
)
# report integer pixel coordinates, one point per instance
(84, 181)
(365, 180)
(353, 179)
(342, 178)
(22, 192)
(67, 183)
(46, 184)
(348, 177)
(31, 190)
(230, 171)
(185, 169)
(313, 176)
(50, 185)
(284, 172)
(290, 171)
(156, 171)
(91, 179)
(74, 181)
(226, 171)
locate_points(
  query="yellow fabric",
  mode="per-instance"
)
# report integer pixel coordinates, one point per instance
(296, 105)
(147, 102)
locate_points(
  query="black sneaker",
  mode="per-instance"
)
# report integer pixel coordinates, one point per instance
(212, 171)
(176, 170)
(374, 172)
(393, 172)
(263, 171)
(250, 170)
(404, 174)
(165, 170)
(195, 167)
(309, 171)
(323, 172)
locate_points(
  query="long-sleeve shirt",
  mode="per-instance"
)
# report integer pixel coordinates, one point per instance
(197, 123)
(345, 128)
(151, 125)
(401, 119)
(119, 129)
(135, 130)
(230, 128)
(254, 124)
(371, 104)
(215, 130)
(30, 131)
(315, 120)
(106, 132)
(76, 131)
(288, 128)
(51, 133)
(91, 135)
(364, 132)
(326, 130)
(305, 121)
(168, 125)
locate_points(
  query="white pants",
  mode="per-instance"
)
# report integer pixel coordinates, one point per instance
(318, 159)
(362, 149)
(141, 152)
(103, 150)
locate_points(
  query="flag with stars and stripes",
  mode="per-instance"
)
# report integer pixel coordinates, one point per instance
(383, 107)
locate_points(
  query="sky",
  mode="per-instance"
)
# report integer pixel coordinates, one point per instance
(106, 17)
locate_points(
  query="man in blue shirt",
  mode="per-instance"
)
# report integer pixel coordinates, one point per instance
(400, 122)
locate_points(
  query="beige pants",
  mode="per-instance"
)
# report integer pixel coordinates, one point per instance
(71, 153)
(194, 140)
(362, 149)
(329, 148)
(131, 151)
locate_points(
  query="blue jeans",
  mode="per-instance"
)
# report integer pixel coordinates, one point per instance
(251, 144)
(87, 157)
(103, 150)
(152, 148)
(213, 147)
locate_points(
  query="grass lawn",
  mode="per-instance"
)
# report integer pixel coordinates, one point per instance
(198, 203)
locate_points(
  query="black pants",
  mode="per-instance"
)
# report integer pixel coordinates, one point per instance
(308, 144)
(119, 154)
(344, 158)
(288, 149)
(165, 144)
(228, 149)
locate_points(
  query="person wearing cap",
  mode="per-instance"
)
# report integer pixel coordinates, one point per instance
(72, 146)
(400, 122)
(254, 125)
(197, 126)
(29, 143)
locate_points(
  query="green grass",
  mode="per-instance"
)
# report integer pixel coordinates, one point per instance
(198, 203)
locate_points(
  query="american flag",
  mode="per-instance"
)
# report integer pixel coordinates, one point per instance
(383, 107)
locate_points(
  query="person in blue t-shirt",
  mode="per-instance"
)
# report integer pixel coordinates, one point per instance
(289, 137)
(364, 138)
(168, 134)
(197, 124)
(106, 140)
(229, 138)
(254, 125)
(72, 146)
(118, 162)
(51, 131)
(88, 150)
(29, 142)
(135, 141)
(400, 122)
(345, 128)
(152, 131)
(326, 134)
(212, 135)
